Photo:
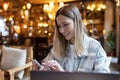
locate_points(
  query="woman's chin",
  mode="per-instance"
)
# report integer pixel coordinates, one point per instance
(67, 38)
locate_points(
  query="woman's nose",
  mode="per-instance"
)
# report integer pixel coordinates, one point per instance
(62, 30)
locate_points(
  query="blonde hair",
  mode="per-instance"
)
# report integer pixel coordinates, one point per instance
(60, 43)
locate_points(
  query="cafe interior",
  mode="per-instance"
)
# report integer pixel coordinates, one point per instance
(29, 24)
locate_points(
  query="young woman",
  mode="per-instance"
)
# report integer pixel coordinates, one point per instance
(72, 49)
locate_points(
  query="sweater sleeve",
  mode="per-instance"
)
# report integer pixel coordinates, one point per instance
(102, 62)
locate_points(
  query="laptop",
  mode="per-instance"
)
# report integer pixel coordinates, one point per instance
(49, 75)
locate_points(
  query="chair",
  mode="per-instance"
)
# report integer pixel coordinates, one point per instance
(1, 75)
(10, 73)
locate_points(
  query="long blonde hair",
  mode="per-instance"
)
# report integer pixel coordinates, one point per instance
(59, 42)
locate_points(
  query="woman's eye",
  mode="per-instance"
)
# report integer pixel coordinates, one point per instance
(64, 25)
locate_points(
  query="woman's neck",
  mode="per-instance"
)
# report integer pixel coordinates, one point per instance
(71, 41)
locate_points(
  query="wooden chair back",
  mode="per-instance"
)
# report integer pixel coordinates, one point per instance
(27, 67)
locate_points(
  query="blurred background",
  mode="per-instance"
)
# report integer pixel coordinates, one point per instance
(31, 23)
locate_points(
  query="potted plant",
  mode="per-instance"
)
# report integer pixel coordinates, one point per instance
(111, 43)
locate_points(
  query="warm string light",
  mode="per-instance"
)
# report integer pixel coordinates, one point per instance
(117, 2)
(17, 28)
(96, 6)
(25, 26)
(28, 5)
(51, 9)
(5, 6)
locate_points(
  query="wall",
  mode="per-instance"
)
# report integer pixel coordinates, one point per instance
(118, 29)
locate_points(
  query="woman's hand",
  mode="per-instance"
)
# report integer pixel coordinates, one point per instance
(54, 65)
(42, 67)
(51, 65)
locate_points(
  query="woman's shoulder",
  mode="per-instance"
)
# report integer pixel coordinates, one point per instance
(90, 39)
(92, 42)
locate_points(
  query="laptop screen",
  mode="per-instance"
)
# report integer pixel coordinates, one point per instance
(40, 75)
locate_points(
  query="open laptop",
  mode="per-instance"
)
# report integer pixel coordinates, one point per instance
(40, 75)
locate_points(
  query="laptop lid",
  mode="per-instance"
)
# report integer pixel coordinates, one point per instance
(40, 75)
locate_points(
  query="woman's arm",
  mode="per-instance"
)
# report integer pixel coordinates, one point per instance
(101, 61)
(50, 64)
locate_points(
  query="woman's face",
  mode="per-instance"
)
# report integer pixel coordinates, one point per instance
(66, 27)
